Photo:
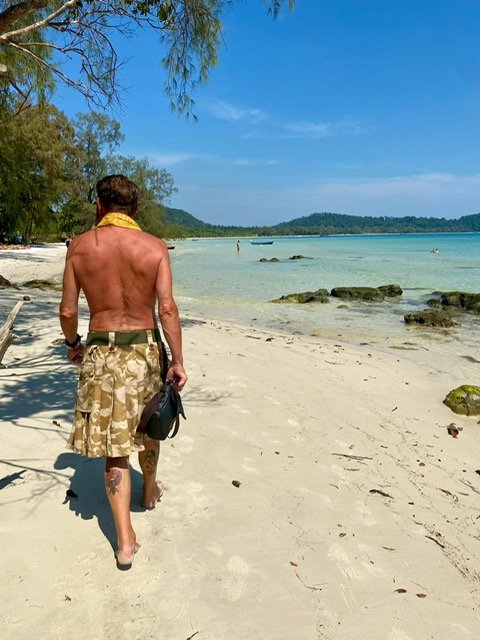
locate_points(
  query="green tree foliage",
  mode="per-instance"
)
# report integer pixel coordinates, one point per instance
(36, 152)
(85, 31)
(97, 136)
(156, 186)
(49, 167)
(24, 80)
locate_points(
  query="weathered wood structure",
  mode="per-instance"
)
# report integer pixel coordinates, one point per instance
(6, 331)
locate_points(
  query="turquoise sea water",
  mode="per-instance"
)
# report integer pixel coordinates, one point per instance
(213, 281)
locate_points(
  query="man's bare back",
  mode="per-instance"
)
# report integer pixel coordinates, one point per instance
(118, 270)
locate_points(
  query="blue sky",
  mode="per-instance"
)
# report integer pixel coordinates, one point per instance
(363, 107)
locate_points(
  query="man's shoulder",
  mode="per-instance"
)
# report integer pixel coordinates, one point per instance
(154, 241)
(82, 237)
(80, 241)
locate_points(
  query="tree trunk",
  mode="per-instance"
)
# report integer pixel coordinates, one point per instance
(6, 334)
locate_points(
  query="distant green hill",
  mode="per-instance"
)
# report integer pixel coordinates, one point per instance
(184, 219)
(339, 223)
(327, 224)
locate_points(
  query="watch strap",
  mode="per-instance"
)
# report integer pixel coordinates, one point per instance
(75, 343)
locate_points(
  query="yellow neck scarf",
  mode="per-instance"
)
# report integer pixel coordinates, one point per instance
(118, 220)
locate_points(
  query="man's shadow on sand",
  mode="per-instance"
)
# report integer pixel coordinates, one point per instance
(86, 495)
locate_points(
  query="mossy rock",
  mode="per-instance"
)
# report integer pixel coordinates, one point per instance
(430, 318)
(45, 285)
(5, 283)
(391, 290)
(434, 303)
(367, 294)
(321, 295)
(269, 260)
(464, 400)
(469, 302)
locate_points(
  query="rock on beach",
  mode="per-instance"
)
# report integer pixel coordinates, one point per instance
(464, 400)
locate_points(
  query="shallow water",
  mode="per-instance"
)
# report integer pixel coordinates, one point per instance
(213, 281)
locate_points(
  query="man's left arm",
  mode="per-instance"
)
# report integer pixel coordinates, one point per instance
(69, 309)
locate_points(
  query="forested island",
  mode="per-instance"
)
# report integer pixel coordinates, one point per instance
(324, 224)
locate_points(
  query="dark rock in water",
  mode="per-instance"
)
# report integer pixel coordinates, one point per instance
(464, 400)
(430, 318)
(269, 260)
(299, 257)
(321, 295)
(368, 294)
(391, 290)
(466, 301)
(4, 282)
(45, 285)
(434, 303)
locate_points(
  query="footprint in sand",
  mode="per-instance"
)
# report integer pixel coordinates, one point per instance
(238, 384)
(235, 583)
(367, 517)
(214, 548)
(343, 562)
(239, 409)
(273, 401)
(248, 468)
(398, 634)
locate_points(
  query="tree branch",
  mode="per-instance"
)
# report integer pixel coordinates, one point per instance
(7, 37)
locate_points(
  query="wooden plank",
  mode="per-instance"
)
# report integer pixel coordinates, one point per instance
(6, 334)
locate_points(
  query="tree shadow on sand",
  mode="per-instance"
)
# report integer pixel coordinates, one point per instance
(49, 387)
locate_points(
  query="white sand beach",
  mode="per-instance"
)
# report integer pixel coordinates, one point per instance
(357, 516)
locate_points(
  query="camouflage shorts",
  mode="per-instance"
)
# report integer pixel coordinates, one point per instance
(115, 384)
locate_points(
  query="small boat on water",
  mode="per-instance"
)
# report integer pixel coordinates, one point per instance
(261, 241)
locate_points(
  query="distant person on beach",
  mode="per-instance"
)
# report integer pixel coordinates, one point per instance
(238, 246)
(122, 272)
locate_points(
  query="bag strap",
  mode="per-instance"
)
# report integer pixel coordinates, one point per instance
(148, 411)
(164, 361)
(180, 412)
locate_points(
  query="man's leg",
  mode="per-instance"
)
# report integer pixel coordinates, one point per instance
(148, 460)
(118, 488)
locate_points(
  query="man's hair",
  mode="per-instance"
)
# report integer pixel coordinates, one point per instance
(118, 193)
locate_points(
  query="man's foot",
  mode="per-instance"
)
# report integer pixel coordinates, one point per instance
(149, 501)
(125, 559)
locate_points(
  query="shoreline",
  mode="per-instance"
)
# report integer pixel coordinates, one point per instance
(375, 324)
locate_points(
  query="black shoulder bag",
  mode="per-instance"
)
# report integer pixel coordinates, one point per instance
(162, 414)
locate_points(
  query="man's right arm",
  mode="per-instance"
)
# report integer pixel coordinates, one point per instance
(69, 307)
(170, 321)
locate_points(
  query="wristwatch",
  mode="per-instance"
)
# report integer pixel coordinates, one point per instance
(75, 343)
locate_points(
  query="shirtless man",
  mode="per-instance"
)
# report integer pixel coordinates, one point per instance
(122, 272)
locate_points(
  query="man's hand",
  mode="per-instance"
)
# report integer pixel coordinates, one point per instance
(75, 356)
(176, 374)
